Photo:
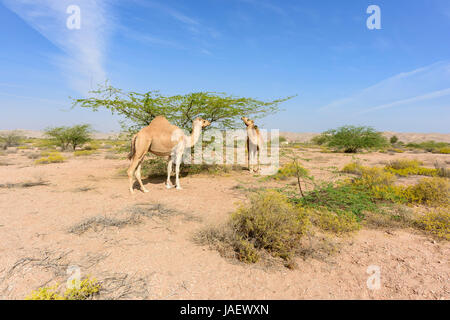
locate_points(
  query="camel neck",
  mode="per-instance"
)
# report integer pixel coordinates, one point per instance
(196, 131)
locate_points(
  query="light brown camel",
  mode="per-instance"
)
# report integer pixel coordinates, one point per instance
(254, 144)
(163, 139)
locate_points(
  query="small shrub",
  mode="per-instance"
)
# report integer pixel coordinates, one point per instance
(46, 293)
(289, 170)
(406, 167)
(404, 164)
(436, 222)
(431, 191)
(442, 170)
(246, 251)
(443, 150)
(393, 139)
(11, 139)
(81, 153)
(271, 223)
(353, 168)
(338, 223)
(373, 177)
(86, 289)
(53, 157)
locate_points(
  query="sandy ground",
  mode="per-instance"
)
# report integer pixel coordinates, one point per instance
(157, 258)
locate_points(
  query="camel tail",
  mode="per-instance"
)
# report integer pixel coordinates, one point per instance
(133, 147)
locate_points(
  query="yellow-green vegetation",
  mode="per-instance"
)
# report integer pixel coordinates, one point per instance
(380, 183)
(444, 150)
(401, 167)
(352, 167)
(430, 191)
(291, 169)
(52, 157)
(92, 145)
(407, 167)
(269, 223)
(436, 222)
(83, 153)
(46, 293)
(43, 143)
(87, 288)
(430, 146)
(338, 223)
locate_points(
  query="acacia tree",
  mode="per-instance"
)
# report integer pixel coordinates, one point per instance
(66, 136)
(351, 139)
(222, 110)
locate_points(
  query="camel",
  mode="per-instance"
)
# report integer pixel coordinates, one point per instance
(254, 144)
(162, 138)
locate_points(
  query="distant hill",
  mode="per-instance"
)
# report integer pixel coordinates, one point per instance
(40, 134)
(291, 136)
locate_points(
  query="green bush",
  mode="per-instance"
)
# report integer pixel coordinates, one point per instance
(430, 146)
(341, 199)
(393, 140)
(351, 139)
(70, 136)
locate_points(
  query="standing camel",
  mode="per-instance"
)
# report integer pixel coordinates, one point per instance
(254, 144)
(162, 138)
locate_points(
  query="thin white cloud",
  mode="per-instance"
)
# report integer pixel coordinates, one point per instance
(83, 50)
(407, 88)
(425, 97)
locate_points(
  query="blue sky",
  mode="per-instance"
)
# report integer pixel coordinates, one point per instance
(396, 78)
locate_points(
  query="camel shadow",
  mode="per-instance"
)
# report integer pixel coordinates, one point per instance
(160, 179)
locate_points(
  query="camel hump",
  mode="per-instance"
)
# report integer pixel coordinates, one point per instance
(160, 120)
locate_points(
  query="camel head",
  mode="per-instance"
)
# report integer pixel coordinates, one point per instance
(248, 122)
(203, 123)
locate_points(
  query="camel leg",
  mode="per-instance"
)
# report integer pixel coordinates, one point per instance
(258, 158)
(169, 172)
(251, 159)
(178, 158)
(248, 154)
(131, 171)
(138, 176)
(141, 147)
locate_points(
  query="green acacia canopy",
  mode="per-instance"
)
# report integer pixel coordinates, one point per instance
(222, 110)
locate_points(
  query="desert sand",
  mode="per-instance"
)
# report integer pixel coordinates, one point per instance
(154, 257)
